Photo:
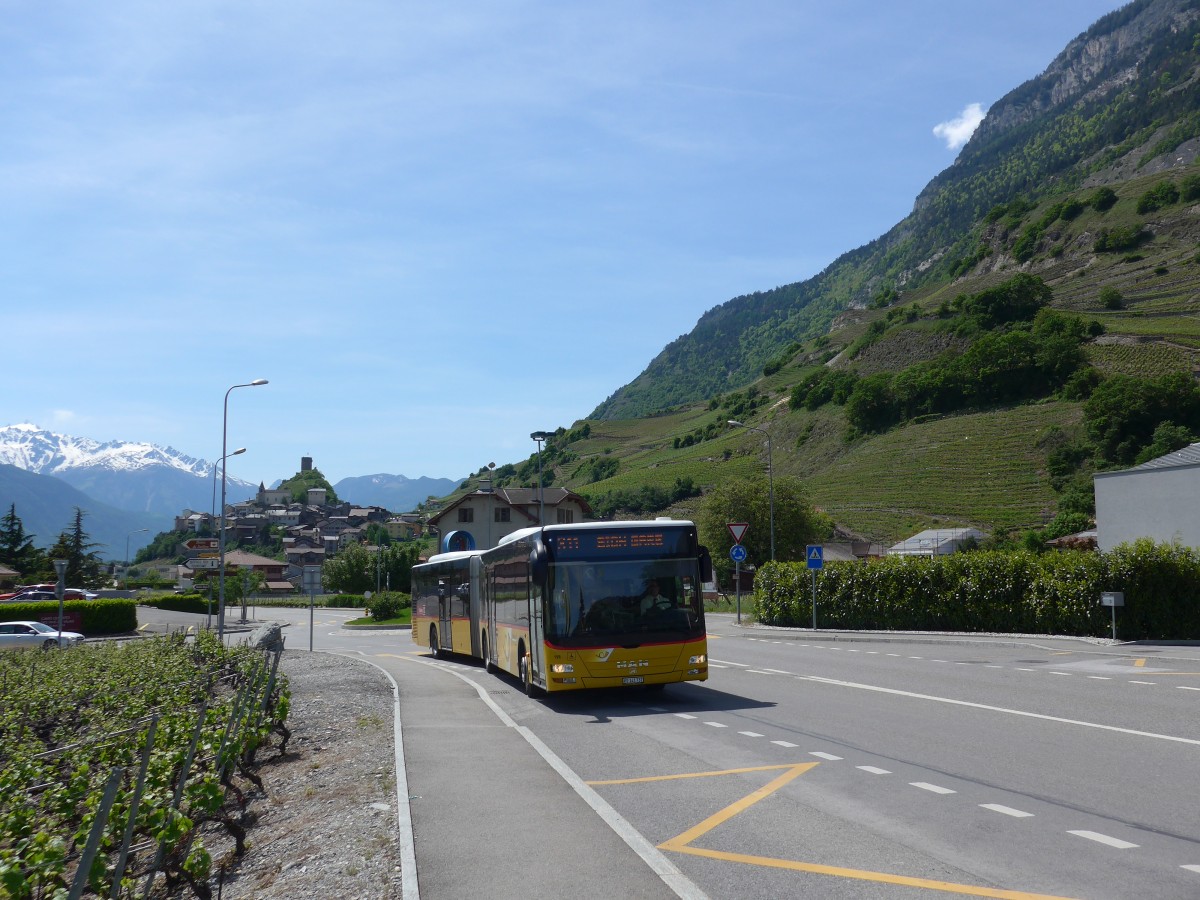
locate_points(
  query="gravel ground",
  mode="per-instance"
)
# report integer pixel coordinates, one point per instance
(325, 823)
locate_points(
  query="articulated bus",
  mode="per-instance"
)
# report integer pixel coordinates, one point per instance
(567, 607)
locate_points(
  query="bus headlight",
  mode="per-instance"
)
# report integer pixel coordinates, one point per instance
(562, 668)
(698, 660)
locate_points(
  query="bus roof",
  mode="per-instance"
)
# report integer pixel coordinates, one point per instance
(590, 526)
(452, 555)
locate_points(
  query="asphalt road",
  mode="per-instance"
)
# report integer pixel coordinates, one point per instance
(810, 764)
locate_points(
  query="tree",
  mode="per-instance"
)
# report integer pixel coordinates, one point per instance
(16, 547)
(797, 522)
(395, 565)
(1123, 413)
(872, 404)
(352, 571)
(76, 547)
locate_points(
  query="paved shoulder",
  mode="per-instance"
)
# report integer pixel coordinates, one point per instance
(490, 817)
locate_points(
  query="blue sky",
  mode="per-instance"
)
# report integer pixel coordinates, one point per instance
(437, 227)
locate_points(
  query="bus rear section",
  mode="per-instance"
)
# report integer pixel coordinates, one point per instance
(446, 603)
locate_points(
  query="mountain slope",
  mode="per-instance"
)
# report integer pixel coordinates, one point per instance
(1122, 100)
(46, 507)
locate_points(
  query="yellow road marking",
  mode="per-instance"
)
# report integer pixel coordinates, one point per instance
(682, 843)
(1139, 663)
(696, 775)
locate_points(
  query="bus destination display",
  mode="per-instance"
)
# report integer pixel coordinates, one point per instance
(597, 545)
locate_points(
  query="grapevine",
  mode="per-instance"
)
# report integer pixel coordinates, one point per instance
(69, 720)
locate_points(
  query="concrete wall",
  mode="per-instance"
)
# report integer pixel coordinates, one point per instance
(1160, 503)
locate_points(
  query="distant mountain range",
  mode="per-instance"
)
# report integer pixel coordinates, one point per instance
(394, 492)
(127, 485)
(46, 506)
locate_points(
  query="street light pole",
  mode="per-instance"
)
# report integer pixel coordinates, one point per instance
(770, 475)
(540, 436)
(221, 462)
(221, 537)
(127, 537)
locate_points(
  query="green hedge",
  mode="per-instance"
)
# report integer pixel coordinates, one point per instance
(1027, 593)
(188, 603)
(97, 617)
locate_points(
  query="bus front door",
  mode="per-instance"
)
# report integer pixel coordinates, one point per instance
(537, 635)
(445, 631)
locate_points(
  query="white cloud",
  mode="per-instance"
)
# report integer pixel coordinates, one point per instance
(958, 131)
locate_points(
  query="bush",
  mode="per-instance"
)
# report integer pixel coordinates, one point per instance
(1162, 194)
(1123, 237)
(1189, 188)
(192, 602)
(387, 605)
(1103, 200)
(1019, 592)
(1110, 298)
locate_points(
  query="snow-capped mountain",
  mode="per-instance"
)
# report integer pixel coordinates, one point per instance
(134, 476)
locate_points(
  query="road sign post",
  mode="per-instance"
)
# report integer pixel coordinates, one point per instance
(310, 579)
(738, 553)
(1113, 599)
(815, 555)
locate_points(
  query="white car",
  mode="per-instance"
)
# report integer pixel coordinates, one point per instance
(35, 635)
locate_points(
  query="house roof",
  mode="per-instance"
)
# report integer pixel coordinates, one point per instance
(524, 500)
(242, 558)
(1188, 456)
(932, 538)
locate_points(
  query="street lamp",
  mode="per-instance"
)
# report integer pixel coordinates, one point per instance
(221, 462)
(127, 537)
(221, 537)
(770, 475)
(540, 436)
(60, 570)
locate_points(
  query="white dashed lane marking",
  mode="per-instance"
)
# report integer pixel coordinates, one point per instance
(1104, 839)
(932, 788)
(1007, 810)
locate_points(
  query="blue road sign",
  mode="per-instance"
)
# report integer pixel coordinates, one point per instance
(816, 556)
(737, 553)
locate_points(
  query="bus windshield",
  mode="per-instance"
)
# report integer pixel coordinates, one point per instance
(624, 602)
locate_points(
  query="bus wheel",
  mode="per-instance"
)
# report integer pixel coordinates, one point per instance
(487, 660)
(433, 643)
(524, 670)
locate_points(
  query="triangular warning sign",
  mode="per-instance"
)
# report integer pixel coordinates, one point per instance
(738, 530)
(814, 553)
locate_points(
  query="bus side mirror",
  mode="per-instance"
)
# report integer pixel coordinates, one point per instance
(706, 568)
(538, 562)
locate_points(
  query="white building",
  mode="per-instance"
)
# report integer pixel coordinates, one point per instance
(935, 542)
(1158, 500)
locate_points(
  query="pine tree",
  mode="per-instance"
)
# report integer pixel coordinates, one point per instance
(84, 567)
(16, 547)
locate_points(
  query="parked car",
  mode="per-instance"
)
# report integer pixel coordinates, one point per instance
(34, 635)
(33, 592)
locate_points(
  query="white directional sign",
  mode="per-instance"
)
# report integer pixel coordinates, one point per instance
(738, 530)
(204, 562)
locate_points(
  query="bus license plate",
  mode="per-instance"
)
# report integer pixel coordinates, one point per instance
(633, 679)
